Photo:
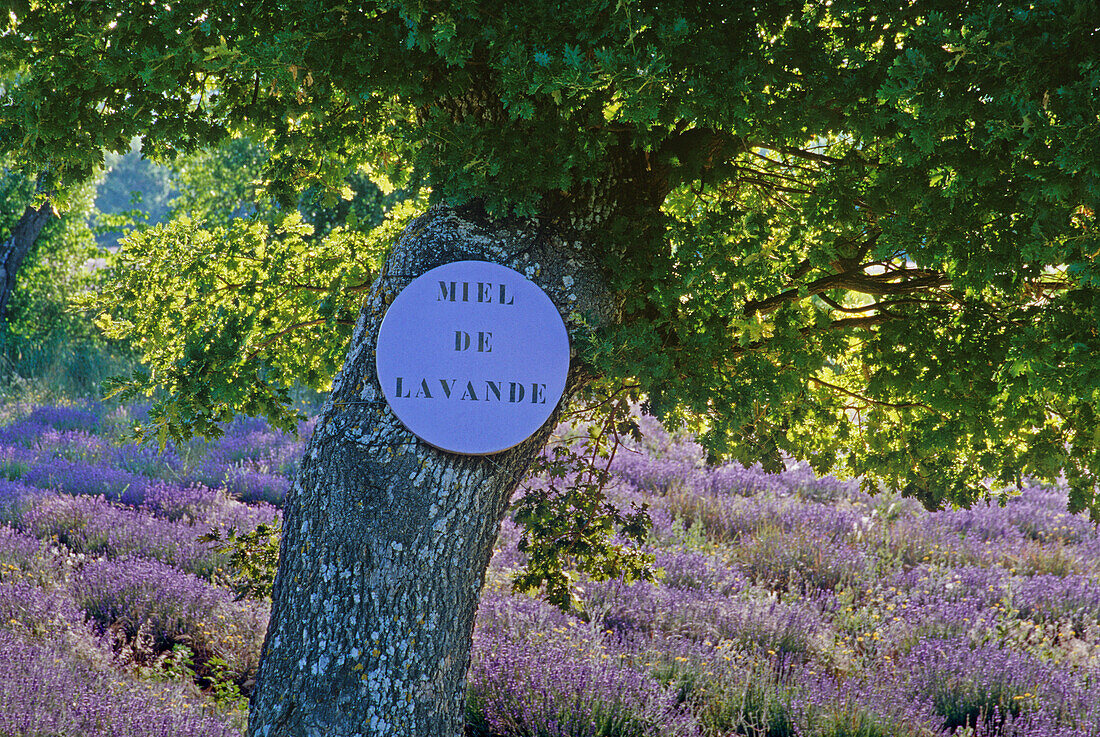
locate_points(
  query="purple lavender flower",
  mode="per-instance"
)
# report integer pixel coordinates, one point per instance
(735, 479)
(506, 554)
(15, 499)
(824, 704)
(646, 608)
(1043, 598)
(804, 559)
(73, 445)
(202, 507)
(80, 478)
(1039, 512)
(245, 425)
(250, 485)
(520, 688)
(657, 476)
(249, 448)
(42, 420)
(94, 526)
(64, 418)
(984, 587)
(254, 466)
(129, 593)
(145, 460)
(1039, 723)
(16, 548)
(971, 685)
(33, 610)
(15, 461)
(918, 539)
(193, 503)
(687, 569)
(981, 522)
(45, 691)
(23, 433)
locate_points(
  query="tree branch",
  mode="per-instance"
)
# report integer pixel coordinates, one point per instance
(868, 400)
(837, 306)
(885, 284)
(307, 324)
(847, 322)
(804, 154)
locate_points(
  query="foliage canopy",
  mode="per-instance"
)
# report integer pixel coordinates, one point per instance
(858, 233)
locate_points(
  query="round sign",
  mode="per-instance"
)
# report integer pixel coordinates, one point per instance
(472, 357)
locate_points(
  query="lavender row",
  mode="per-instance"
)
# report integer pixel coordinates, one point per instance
(168, 529)
(45, 691)
(44, 587)
(537, 672)
(79, 450)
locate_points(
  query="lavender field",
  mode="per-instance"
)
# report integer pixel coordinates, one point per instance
(788, 605)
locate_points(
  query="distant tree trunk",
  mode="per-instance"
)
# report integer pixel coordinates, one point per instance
(16, 248)
(386, 540)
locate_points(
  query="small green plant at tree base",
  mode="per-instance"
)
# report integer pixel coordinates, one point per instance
(223, 686)
(214, 675)
(179, 662)
(253, 558)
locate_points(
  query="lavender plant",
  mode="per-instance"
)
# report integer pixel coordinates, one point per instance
(972, 686)
(94, 526)
(552, 691)
(44, 691)
(89, 479)
(130, 593)
(785, 605)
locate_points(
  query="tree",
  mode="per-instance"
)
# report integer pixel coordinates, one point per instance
(17, 245)
(42, 262)
(859, 234)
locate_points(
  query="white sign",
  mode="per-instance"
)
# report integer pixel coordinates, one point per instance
(472, 357)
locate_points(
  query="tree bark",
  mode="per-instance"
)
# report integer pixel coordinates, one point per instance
(385, 539)
(16, 248)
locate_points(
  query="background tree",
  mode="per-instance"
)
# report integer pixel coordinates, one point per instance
(854, 233)
(229, 181)
(47, 260)
(20, 238)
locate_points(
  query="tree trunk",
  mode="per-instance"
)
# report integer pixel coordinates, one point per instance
(385, 539)
(16, 248)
